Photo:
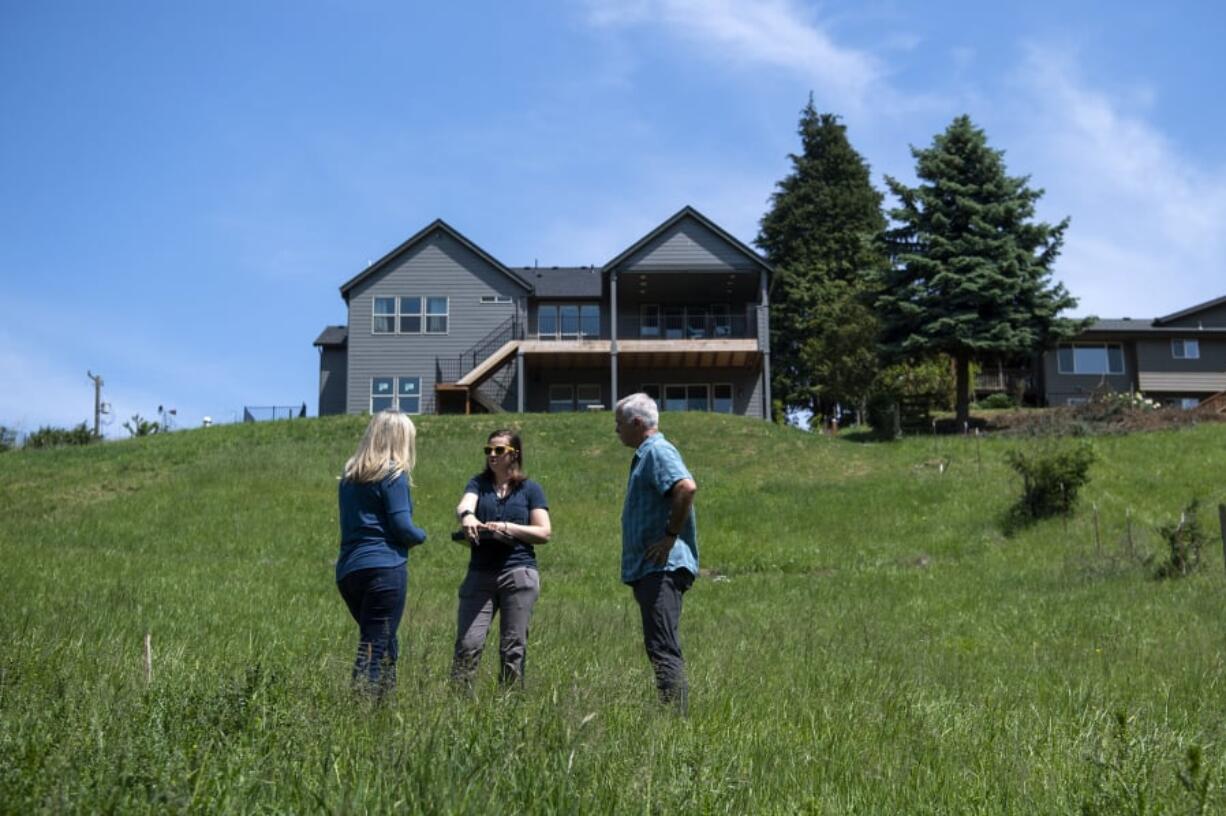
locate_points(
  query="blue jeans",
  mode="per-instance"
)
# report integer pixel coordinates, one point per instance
(375, 598)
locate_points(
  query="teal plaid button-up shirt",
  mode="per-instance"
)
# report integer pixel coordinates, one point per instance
(656, 467)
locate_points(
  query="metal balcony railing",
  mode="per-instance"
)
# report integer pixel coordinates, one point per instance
(686, 327)
(451, 369)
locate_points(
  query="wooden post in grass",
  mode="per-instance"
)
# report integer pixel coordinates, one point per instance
(1221, 517)
(148, 658)
(1098, 541)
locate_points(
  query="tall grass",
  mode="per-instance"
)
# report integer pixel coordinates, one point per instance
(872, 641)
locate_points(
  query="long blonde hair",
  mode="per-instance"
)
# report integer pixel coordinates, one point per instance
(388, 448)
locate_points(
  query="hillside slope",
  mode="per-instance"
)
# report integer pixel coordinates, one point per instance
(870, 640)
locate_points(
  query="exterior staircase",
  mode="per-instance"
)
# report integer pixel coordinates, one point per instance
(481, 374)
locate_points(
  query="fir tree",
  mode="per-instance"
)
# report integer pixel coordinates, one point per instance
(972, 269)
(822, 237)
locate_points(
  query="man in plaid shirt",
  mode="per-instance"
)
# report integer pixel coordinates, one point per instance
(659, 539)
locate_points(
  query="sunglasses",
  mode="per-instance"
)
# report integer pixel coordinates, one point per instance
(498, 450)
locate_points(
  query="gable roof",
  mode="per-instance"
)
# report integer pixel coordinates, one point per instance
(688, 212)
(1200, 307)
(440, 225)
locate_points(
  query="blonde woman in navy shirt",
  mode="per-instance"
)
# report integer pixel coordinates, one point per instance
(504, 515)
(377, 531)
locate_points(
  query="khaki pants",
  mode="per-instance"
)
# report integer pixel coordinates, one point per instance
(513, 592)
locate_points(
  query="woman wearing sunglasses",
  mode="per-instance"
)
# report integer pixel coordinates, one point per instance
(504, 515)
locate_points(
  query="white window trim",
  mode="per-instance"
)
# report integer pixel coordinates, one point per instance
(1105, 346)
(394, 314)
(1184, 344)
(427, 314)
(395, 396)
(499, 299)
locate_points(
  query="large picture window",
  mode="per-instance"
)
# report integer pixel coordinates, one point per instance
(405, 315)
(693, 322)
(567, 321)
(399, 393)
(1102, 358)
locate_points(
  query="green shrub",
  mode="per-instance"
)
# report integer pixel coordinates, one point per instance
(139, 426)
(8, 439)
(1051, 480)
(997, 402)
(1185, 540)
(880, 412)
(50, 437)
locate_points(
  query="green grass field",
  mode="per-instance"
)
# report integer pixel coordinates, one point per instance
(872, 642)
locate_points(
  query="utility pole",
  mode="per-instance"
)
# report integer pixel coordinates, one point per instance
(97, 378)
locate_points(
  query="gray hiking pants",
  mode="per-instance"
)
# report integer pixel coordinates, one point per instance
(511, 592)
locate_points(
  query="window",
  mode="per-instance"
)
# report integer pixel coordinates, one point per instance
(408, 394)
(561, 399)
(674, 322)
(495, 298)
(587, 396)
(410, 315)
(402, 393)
(1188, 403)
(1185, 349)
(674, 398)
(649, 323)
(384, 316)
(1090, 359)
(1077, 401)
(382, 395)
(436, 315)
(567, 321)
(653, 391)
(694, 397)
(404, 315)
(685, 322)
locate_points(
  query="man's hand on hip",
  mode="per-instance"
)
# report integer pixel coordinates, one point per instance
(657, 551)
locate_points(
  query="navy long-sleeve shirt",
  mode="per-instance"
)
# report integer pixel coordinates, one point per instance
(377, 526)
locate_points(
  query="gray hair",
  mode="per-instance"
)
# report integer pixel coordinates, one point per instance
(639, 406)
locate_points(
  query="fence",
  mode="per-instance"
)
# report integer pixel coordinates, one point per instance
(267, 413)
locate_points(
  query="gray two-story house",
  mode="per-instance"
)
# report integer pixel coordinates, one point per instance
(438, 325)
(1179, 359)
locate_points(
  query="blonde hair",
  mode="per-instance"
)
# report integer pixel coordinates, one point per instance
(388, 448)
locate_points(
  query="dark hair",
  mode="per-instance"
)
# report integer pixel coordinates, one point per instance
(517, 475)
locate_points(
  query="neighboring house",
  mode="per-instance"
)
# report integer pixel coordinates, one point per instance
(438, 325)
(1179, 359)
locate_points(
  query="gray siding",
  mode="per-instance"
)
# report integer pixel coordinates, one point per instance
(436, 266)
(1155, 355)
(688, 245)
(1060, 387)
(1209, 318)
(333, 374)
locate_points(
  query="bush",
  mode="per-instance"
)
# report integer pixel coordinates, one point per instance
(880, 410)
(49, 437)
(1051, 480)
(139, 426)
(997, 402)
(8, 439)
(1185, 539)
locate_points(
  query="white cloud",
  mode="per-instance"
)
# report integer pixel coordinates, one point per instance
(763, 32)
(1146, 236)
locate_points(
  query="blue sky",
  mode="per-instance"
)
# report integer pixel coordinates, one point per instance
(183, 187)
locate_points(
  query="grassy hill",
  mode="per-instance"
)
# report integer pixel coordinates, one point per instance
(871, 641)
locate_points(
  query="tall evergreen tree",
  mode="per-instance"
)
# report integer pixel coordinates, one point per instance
(822, 235)
(972, 269)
